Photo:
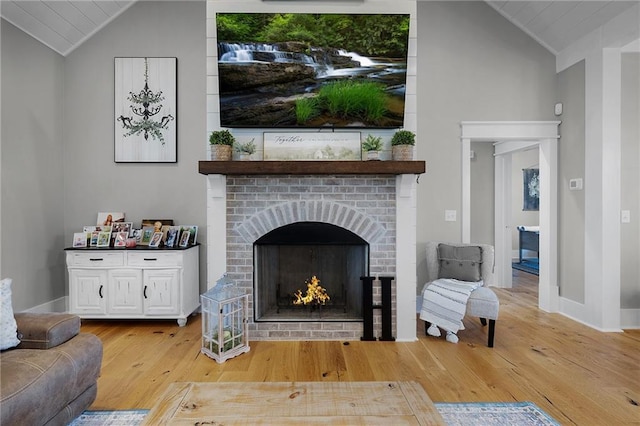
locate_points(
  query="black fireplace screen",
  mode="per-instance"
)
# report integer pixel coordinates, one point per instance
(291, 258)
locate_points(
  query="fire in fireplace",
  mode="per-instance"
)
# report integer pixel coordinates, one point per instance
(286, 257)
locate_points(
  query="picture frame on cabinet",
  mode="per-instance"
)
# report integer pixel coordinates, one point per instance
(120, 239)
(146, 233)
(184, 238)
(171, 236)
(93, 240)
(104, 239)
(193, 233)
(122, 227)
(152, 222)
(79, 239)
(109, 218)
(156, 239)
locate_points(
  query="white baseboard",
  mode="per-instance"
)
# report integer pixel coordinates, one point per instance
(630, 319)
(57, 305)
(577, 312)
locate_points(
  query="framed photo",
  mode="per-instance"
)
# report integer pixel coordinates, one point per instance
(137, 235)
(93, 240)
(184, 239)
(171, 235)
(145, 117)
(307, 146)
(122, 227)
(531, 189)
(104, 239)
(80, 239)
(109, 218)
(159, 223)
(146, 234)
(120, 239)
(193, 233)
(156, 239)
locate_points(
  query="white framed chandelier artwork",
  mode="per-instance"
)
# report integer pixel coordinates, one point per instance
(145, 110)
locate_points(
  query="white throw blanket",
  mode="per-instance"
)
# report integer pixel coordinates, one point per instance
(444, 302)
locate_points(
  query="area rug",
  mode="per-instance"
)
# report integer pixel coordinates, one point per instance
(531, 266)
(494, 414)
(454, 414)
(110, 418)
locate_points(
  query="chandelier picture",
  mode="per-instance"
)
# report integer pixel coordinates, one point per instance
(145, 105)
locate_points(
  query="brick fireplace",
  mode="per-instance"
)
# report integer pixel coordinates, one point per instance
(376, 207)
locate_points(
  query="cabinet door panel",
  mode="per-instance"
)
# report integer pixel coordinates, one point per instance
(161, 292)
(125, 291)
(87, 292)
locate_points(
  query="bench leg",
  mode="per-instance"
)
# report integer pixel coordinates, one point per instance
(492, 331)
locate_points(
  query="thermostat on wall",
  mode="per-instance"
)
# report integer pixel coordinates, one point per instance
(575, 184)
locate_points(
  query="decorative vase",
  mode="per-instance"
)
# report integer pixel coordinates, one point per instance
(244, 156)
(402, 152)
(221, 152)
(373, 155)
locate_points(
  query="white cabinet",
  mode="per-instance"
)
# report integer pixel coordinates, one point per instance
(134, 283)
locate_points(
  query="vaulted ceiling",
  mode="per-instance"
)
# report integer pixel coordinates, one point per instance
(64, 24)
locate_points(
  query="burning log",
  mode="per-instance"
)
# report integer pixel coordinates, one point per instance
(315, 294)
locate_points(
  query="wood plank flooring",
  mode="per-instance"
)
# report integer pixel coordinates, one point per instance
(576, 374)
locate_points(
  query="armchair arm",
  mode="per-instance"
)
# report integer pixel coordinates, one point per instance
(44, 331)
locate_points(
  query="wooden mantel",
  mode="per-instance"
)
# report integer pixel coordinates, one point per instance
(311, 167)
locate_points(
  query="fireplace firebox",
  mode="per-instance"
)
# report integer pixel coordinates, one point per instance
(299, 257)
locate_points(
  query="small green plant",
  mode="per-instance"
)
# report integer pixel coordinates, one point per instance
(403, 137)
(247, 147)
(372, 143)
(221, 137)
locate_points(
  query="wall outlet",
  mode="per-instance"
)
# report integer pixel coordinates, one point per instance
(575, 184)
(450, 215)
(625, 216)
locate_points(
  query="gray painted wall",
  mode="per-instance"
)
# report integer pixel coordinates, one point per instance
(32, 169)
(630, 182)
(93, 182)
(482, 208)
(472, 65)
(571, 164)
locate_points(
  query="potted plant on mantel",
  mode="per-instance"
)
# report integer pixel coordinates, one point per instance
(221, 142)
(402, 143)
(246, 149)
(372, 145)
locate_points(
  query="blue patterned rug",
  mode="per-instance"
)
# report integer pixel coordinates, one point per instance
(454, 414)
(110, 418)
(494, 414)
(531, 266)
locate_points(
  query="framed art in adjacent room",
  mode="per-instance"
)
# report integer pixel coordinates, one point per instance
(145, 116)
(531, 189)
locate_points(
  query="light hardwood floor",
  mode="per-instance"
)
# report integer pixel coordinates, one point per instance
(576, 374)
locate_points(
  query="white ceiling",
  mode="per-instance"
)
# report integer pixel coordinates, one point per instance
(64, 24)
(557, 24)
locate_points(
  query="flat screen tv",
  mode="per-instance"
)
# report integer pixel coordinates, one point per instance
(307, 70)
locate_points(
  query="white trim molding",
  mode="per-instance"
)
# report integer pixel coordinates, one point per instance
(513, 136)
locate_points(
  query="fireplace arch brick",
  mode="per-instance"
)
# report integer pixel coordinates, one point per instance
(331, 212)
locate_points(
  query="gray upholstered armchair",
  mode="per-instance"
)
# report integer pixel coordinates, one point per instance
(482, 301)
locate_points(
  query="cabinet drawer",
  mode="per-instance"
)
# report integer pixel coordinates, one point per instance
(159, 259)
(100, 259)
